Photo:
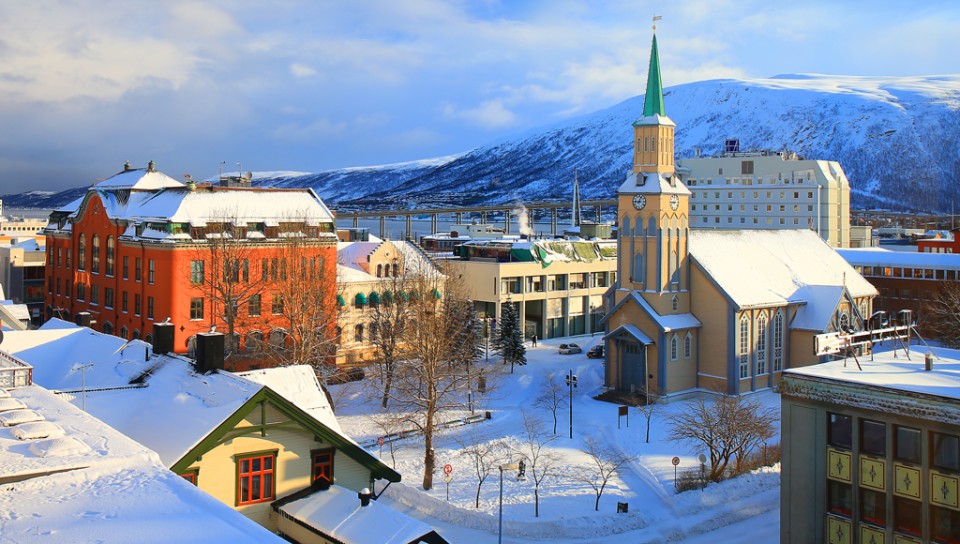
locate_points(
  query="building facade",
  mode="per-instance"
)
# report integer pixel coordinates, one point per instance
(710, 309)
(769, 191)
(142, 248)
(23, 272)
(871, 455)
(557, 286)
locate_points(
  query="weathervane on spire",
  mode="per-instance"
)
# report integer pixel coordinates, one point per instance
(655, 19)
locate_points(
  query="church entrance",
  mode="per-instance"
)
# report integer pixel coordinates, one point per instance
(633, 363)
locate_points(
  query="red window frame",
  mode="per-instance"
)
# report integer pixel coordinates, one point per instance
(190, 477)
(321, 463)
(255, 478)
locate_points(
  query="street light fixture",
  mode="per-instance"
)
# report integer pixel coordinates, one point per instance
(521, 469)
(571, 381)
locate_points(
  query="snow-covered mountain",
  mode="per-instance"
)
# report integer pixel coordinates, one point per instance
(897, 138)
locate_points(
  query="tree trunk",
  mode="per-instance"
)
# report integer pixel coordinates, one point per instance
(596, 504)
(554, 422)
(386, 386)
(477, 501)
(428, 459)
(536, 501)
(648, 430)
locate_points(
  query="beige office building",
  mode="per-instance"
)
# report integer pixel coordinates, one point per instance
(763, 190)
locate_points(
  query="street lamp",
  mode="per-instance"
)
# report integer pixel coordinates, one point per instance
(571, 381)
(521, 469)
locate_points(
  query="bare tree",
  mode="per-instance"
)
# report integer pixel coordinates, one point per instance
(728, 427)
(943, 314)
(388, 424)
(647, 400)
(540, 463)
(224, 266)
(485, 455)
(606, 462)
(553, 396)
(432, 373)
(390, 317)
(305, 287)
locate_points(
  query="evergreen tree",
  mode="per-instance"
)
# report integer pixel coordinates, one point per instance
(509, 338)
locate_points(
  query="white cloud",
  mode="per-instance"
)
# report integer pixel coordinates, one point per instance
(491, 114)
(302, 70)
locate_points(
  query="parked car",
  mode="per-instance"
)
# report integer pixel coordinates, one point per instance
(596, 352)
(566, 349)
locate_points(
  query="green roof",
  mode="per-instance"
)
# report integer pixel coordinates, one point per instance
(653, 100)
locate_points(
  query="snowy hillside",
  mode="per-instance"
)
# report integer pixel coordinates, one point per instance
(897, 139)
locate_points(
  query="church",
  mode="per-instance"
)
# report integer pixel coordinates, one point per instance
(708, 309)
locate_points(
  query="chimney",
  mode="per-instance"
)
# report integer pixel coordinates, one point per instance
(364, 495)
(126, 166)
(151, 166)
(210, 351)
(163, 338)
(928, 361)
(83, 319)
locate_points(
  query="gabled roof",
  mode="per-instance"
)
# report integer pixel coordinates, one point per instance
(630, 330)
(757, 268)
(71, 465)
(652, 184)
(818, 303)
(667, 323)
(139, 179)
(159, 401)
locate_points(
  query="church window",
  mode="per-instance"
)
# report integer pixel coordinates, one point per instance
(676, 303)
(844, 321)
(675, 269)
(82, 253)
(778, 342)
(687, 346)
(762, 345)
(744, 357)
(674, 348)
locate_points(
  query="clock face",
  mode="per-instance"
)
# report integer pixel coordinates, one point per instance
(674, 202)
(639, 201)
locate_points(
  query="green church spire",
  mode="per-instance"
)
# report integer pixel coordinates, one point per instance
(653, 100)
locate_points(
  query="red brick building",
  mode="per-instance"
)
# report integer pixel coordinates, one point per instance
(141, 247)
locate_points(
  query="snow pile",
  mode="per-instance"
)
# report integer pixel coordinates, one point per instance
(58, 447)
(38, 429)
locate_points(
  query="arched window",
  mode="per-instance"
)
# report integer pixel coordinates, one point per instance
(110, 255)
(762, 345)
(254, 341)
(136, 334)
(358, 333)
(108, 328)
(744, 345)
(625, 227)
(124, 332)
(638, 269)
(675, 303)
(778, 342)
(844, 321)
(396, 268)
(82, 252)
(95, 255)
(278, 337)
(674, 347)
(379, 270)
(674, 270)
(386, 271)
(652, 226)
(688, 346)
(148, 339)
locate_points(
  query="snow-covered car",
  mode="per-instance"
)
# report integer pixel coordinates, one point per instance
(596, 352)
(566, 349)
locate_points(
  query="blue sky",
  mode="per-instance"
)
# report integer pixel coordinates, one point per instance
(312, 85)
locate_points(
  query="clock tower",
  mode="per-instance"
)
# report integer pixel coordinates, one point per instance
(653, 209)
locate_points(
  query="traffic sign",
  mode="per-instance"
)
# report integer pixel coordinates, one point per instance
(380, 441)
(448, 468)
(675, 461)
(447, 478)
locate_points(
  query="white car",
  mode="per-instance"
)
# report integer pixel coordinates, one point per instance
(567, 349)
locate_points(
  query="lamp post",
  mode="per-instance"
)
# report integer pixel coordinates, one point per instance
(521, 469)
(571, 380)
(83, 386)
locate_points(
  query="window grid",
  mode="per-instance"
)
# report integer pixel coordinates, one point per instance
(744, 347)
(255, 479)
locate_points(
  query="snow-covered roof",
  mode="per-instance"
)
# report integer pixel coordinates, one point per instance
(758, 268)
(139, 179)
(352, 256)
(176, 409)
(655, 119)
(818, 303)
(667, 323)
(299, 385)
(652, 183)
(905, 259)
(632, 330)
(336, 512)
(110, 489)
(889, 382)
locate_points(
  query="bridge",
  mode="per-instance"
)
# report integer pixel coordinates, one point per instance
(459, 214)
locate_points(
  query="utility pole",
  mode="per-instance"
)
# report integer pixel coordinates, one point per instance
(571, 381)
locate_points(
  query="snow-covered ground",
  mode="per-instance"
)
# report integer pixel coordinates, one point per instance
(744, 509)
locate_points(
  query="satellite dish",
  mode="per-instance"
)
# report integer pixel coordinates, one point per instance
(702, 458)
